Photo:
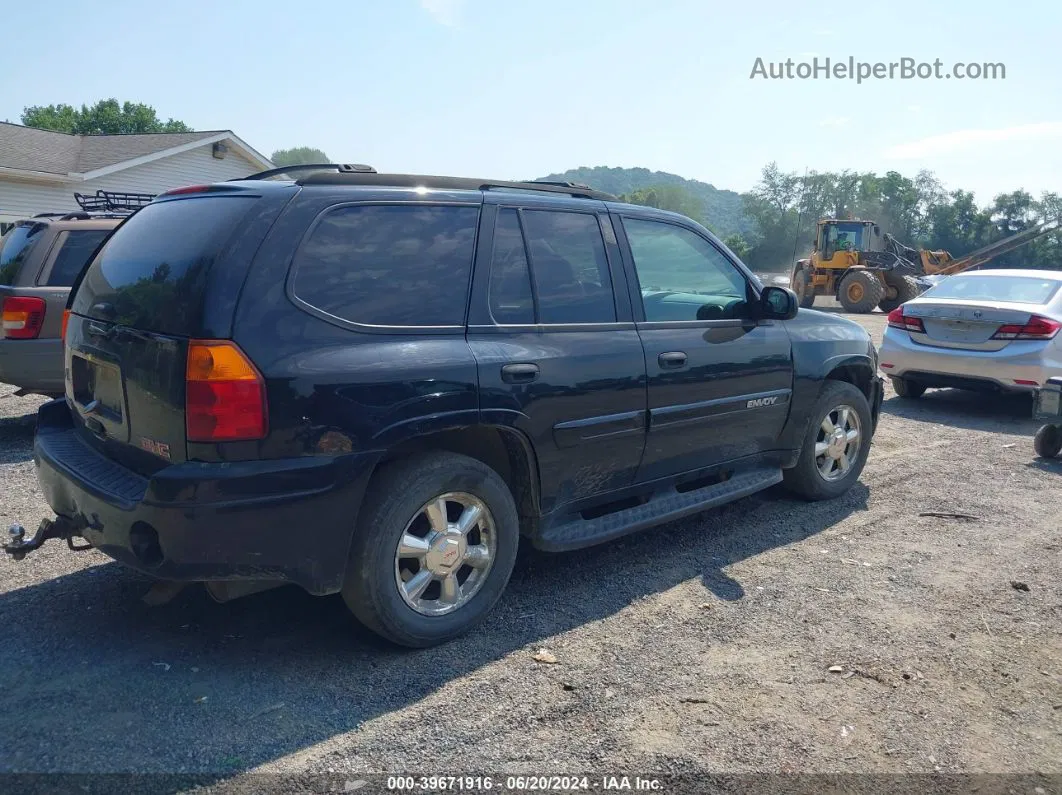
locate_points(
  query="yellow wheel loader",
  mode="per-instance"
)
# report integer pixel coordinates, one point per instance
(864, 268)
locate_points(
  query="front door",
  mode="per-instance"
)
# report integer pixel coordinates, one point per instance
(719, 380)
(558, 356)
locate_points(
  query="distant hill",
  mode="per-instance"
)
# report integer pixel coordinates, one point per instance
(722, 208)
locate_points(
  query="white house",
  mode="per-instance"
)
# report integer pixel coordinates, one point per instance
(40, 170)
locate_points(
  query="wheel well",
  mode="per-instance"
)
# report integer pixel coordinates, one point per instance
(504, 450)
(862, 377)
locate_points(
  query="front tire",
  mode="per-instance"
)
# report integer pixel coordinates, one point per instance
(434, 549)
(860, 291)
(905, 288)
(1048, 441)
(836, 445)
(906, 388)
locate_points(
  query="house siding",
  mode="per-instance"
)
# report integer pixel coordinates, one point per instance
(25, 199)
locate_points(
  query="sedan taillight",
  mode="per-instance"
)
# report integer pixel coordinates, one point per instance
(1038, 328)
(897, 319)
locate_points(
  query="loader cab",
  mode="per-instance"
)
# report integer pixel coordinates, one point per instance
(846, 236)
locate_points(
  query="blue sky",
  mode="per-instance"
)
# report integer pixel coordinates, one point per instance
(517, 89)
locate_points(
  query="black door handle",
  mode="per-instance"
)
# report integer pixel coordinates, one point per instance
(519, 373)
(672, 360)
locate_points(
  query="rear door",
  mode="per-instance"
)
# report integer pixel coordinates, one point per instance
(719, 380)
(558, 356)
(138, 304)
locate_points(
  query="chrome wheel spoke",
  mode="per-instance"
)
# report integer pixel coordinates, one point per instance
(417, 584)
(436, 512)
(412, 546)
(821, 448)
(478, 557)
(843, 463)
(852, 435)
(827, 425)
(842, 417)
(469, 519)
(450, 590)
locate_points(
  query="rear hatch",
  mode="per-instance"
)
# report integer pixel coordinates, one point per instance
(133, 314)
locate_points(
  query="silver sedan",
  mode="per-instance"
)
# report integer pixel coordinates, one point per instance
(984, 330)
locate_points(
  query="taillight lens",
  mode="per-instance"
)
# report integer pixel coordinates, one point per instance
(23, 317)
(66, 319)
(897, 319)
(225, 398)
(1038, 328)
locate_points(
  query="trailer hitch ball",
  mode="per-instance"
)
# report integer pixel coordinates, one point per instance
(16, 533)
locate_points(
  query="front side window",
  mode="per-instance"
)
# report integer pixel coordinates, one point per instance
(389, 265)
(571, 274)
(682, 276)
(75, 248)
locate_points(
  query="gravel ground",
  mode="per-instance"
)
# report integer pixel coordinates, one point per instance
(704, 645)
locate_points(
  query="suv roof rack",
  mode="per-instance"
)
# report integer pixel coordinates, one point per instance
(451, 183)
(110, 201)
(342, 168)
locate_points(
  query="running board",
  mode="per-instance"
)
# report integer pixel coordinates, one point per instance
(664, 506)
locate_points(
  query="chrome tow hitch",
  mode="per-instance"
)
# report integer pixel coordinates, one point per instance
(17, 545)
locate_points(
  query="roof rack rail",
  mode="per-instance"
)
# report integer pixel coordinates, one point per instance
(111, 201)
(342, 168)
(451, 183)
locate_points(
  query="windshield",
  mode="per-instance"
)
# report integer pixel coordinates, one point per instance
(15, 246)
(1016, 289)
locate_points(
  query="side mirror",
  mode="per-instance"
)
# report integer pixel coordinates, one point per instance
(778, 303)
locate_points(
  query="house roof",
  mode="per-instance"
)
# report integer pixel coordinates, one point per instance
(49, 152)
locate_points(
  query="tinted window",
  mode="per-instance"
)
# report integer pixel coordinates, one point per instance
(570, 268)
(151, 273)
(682, 276)
(76, 247)
(510, 280)
(393, 265)
(15, 246)
(1020, 289)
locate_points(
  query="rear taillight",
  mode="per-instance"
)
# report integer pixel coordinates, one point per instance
(225, 398)
(23, 317)
(66, 319)
(1038, 328)
(897, 319)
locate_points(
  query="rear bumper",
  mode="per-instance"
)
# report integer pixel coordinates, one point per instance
(33, 365)
(1019, 361)
(284, 520)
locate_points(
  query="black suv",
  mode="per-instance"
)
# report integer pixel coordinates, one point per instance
(374, 384)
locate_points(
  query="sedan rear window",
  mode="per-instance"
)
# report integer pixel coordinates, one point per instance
(976, 287)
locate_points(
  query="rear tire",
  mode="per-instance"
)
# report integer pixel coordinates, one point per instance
(860, 291)
(803, 288)
(906, 288)
(906, 388)
(398, 516)
(1048, 441)
(814, 477)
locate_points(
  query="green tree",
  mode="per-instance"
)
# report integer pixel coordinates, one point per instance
(106, 117)
(738, 245)
(298, 156)
(668, 197)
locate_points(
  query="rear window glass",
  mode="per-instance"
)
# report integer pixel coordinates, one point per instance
(15, 246)
(1018, 289)
(389, 265)
(151, 274)
(76, 247)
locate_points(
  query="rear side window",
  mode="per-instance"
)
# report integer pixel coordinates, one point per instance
(510, 279)
(75, 248)
(568, 261)
(389, 265)
(151, 273)
(15, 246)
